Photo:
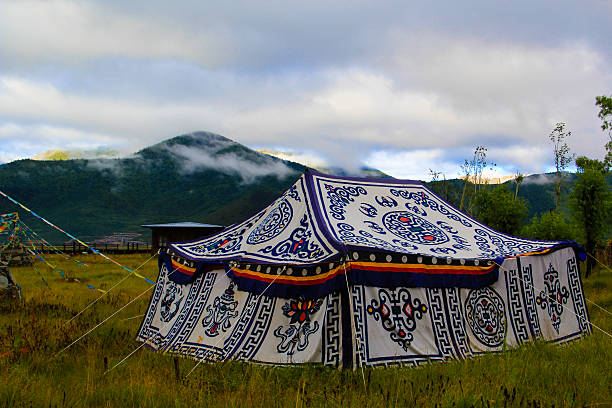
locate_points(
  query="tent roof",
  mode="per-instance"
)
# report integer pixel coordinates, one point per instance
(322, 217)
(325, 232)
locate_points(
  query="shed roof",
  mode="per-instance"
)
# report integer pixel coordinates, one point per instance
(186, 224)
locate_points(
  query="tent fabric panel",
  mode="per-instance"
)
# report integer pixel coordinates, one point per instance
(406, 217)
(416, 325)
(286, 231)
(210, 319)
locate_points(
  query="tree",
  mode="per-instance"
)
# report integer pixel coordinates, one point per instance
(440, 187)
(497, 208)
(590, 204)
(550, 226)
(562, 156)
(605, 114)
(518, 180)
(473, 175)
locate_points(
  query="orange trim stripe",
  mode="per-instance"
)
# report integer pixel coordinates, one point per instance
(428, 269)
(295, 280)
(533, 253)
(182, 268)
(371, 266)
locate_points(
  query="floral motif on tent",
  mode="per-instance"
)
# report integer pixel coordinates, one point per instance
(413, 228)
(486, 316)
(171, 301)
(219, 313)
(274, 223)
(295, 336)
(300, 243)
(553, 297)
(398, 312)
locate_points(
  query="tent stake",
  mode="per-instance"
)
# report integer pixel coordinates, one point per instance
(177, 371)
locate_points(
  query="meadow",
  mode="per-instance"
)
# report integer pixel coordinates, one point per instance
(34, 371)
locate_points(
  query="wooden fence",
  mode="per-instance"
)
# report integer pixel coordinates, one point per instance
(76, 248)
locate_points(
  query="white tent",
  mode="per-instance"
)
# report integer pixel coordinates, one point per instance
(422, 281)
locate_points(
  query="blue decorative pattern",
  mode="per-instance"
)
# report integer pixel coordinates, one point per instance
(553, 297)
(299, 244)
(340, 197)
(413, 228)
(358, 212)
(294, 337)
(171, 301)
(425, 200)
(397, 312)
(220, 312)
(530, 301)
(274, 223)
(268, 235)
(577, 295)
(516, 306)
(486, 316)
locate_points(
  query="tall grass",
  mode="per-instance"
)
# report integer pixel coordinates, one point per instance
(32, 373)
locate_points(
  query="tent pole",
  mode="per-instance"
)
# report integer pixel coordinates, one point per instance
(354, 339)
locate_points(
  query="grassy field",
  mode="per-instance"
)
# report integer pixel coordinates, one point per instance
(34, 374)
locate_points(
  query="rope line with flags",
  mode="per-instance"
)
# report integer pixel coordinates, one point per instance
(74, 238)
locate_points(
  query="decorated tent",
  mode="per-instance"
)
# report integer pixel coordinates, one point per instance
(352, 272)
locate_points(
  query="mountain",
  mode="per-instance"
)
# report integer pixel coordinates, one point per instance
(202, 177)
(199, 177)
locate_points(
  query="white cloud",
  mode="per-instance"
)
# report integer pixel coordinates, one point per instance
(412, 165)
(60, 30)
(126, 75)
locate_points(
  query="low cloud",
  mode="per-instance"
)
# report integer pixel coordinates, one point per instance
(540, 179)
(109, 165)
(193, 159)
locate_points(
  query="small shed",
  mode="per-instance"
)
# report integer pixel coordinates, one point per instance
(162, 234)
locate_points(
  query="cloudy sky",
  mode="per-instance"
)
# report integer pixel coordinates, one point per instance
(403, 86)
